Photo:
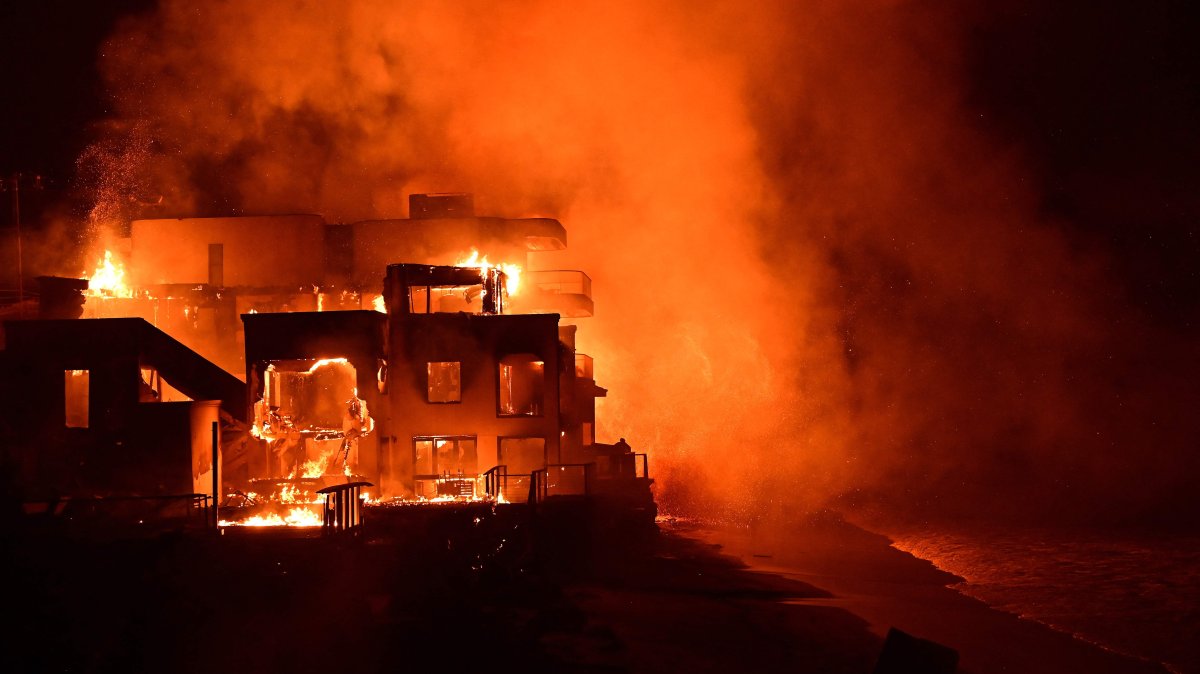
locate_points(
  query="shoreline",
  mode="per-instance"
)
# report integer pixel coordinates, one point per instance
(1034, 587)
(888, 587)
(961, 588)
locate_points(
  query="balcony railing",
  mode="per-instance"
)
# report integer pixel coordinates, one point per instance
(583, 366)
(559, 282)
(501, 486)
(563, 479)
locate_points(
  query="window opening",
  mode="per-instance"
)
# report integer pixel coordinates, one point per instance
(445, 466)
(312, 415)
(444, 382)
(522, 385)
(76, 396)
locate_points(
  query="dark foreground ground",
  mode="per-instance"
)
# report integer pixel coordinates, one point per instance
(454, 590)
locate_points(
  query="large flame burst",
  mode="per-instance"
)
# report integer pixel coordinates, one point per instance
(512, 272)
(109, 279)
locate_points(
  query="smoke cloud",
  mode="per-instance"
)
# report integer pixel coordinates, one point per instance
(818, 278)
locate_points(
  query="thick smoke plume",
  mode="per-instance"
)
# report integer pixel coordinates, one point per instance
(817, 278)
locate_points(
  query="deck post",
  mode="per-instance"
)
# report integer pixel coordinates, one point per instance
(216, 482)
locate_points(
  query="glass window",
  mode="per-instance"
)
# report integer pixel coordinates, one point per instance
(522, 384)
(441, 456)
(456, 456)
(423, 457)
(445, 382)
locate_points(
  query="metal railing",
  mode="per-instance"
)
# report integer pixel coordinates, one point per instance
(559, 479)
(562, 479)
(494, 480)
(615, 465)
(499, 484)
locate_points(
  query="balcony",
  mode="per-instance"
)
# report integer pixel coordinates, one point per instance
(583, 366)
(564, 292)
(586, 379)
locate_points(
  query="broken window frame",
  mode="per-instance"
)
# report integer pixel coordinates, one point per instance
(456, 377)
(280, 376)
(427, 299)
(537, 388)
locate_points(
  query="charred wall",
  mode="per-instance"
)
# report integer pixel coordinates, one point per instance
(266, 251)
(478, 344)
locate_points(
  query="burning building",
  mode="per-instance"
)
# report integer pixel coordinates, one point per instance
(387, 354)
(195, 276)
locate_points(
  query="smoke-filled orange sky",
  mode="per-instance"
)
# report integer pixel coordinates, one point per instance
(821, 275)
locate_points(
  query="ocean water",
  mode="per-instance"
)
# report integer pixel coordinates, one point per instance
(1135, 594)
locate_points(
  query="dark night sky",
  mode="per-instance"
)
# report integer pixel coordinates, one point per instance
(52, 86)
(1102, 102)
(1105, 101)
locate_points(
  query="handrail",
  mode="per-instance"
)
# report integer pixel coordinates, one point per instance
(494, 480)
(542, 481)
(537, 486)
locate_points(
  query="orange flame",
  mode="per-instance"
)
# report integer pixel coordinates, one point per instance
(109, 279)
(296, 517)
(512, 272)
